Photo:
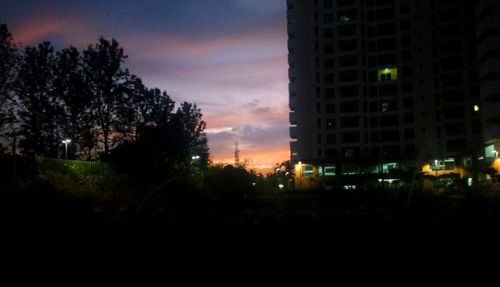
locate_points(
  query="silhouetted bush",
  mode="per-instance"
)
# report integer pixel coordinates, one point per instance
(229, 184)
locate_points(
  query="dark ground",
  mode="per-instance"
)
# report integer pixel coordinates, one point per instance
(298, 216)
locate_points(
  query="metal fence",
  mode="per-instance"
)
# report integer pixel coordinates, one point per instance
(72, 167)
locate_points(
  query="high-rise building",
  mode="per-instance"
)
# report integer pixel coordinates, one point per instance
(382, 85)
(488, 47)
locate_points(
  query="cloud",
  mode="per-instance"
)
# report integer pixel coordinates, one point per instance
(60, 31)
(161, 46)
(37, 30)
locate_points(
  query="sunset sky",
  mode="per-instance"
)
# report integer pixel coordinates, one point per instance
(228, 56)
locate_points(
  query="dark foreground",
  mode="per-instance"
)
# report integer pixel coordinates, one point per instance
(309, 216)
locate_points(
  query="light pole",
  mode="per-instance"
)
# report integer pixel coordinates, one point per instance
(66, 142)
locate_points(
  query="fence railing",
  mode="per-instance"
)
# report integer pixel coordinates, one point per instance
(72, 167)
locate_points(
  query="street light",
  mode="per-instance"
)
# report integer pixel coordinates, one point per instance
(195, 157)
(66, 142)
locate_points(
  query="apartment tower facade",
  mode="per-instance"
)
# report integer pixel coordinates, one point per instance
(380, 85)
(488, 46)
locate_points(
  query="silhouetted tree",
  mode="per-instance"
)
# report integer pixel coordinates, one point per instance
(154, 107)
(109, 85)
(188, 118)
(72, 90)
(39, 109)
(8, 70)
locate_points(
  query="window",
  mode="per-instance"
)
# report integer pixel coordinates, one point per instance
(384, 107)
(406, 55)
(407, 87)
(327, 18)
(349, 137)
(330, 123)
(348, 76)
(348, 169)
(386, 29)
(307, 170)
(371, 31)
(388, 90)
(386, 44)
(328, 33)
(387, 59)
(391, 150)
(331, 139)
(405, 40)
(344, 19)
(328, 48)
(329, 170)
(454, 113)
(329, 63)
(408, 118)
(347, 31)
(331, 152)
(404, 8)
(330, 78)
(348, 61)
(455, 129)
(348, 45)
(408, 102)
(407, 71)
(330, 108)
(348, 91)
(410, 149)
(341, 3)
(446, 164)
(330, 93)
(385, 14)
(409, 134)
(349, 122)
(387, 74)
(405, 25)
(372, 76)
(389, 121)
(349, 107)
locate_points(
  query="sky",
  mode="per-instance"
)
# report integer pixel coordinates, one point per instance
(227, 56)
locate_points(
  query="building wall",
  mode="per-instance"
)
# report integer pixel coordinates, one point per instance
(488, 38)
(382, 79)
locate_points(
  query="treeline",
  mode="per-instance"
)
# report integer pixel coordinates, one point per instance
(89, 97)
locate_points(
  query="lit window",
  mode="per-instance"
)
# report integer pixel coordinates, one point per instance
(344, 19)
(329, 170)
(387, 74)
(476, 108)
(447, 164)
(385, 107)
(308, 171)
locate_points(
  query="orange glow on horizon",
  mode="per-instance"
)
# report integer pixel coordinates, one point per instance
(258, 160)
